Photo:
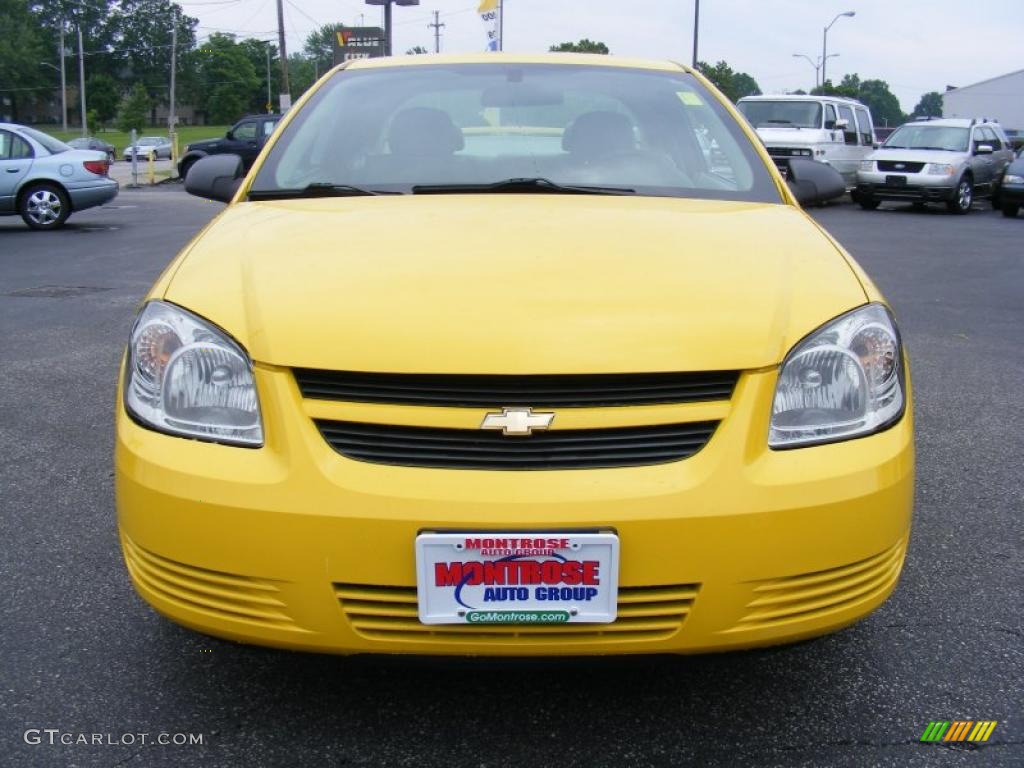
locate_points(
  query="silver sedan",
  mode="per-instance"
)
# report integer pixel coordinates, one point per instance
(147, 147)
(44, 180)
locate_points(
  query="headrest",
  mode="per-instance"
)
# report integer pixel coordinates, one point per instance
(424, 131)
(599, 133)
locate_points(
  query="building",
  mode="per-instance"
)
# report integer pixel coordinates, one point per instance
(998, 98)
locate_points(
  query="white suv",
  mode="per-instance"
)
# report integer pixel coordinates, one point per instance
(951, 160)
(830, 129)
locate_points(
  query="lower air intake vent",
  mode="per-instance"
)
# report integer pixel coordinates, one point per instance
(390, 613)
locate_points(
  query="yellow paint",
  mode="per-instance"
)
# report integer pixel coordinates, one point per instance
(507, 284)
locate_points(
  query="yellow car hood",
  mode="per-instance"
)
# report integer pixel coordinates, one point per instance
(515, 283)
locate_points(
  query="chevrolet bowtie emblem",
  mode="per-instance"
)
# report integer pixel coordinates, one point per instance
(517, 421)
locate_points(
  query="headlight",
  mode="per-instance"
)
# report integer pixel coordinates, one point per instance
(940, 169)
(867, 165)
(801, 153)
(186, 377)
(1013, 179)
(845, 380)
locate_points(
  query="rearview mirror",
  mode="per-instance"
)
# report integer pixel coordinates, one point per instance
(519, 95)
(215, 177)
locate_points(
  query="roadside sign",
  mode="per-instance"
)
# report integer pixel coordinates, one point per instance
(358, 43)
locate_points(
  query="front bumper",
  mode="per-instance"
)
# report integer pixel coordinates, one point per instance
(293, 545)
(917, 187)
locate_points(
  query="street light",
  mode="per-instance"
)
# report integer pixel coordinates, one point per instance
(824, 41)
(816, 63)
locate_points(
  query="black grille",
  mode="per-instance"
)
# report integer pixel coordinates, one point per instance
(495, 391)
(476, 449)
(899, 166)
(788, 152)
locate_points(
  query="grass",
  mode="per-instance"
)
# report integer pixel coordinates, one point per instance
(120, 139)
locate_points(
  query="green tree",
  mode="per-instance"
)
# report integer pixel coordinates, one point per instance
(735, 85)
(416, 51)
(256, 52)
(103, 98)
(302, 73)
(319, 47)
(930, 105)
(225, 83)
(22, 46)
(134, 109)
(885, 107)
(585, 45)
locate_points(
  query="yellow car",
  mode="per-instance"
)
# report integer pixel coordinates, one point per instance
(512, 355)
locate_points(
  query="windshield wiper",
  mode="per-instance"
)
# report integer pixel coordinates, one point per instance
(519, 185)
(779, 122)
(316, 189)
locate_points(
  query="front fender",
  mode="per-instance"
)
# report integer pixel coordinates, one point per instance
(190, 157)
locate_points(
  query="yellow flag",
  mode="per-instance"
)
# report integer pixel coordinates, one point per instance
(487, 5)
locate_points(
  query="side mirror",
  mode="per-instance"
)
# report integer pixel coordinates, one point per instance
(983, 149)
(230, 135)
(812, 182)
(216, 177)
(842, 125)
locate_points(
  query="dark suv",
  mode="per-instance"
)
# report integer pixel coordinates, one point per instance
(246, 138)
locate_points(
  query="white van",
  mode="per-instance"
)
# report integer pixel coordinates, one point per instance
(830, 129)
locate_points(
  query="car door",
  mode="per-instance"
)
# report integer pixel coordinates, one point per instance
(848, 156)
(245, 141)
(982, 164)
(15, 159)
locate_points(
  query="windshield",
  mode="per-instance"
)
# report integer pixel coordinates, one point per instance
(49, 143)
(782, 114)
(413, 128)
(928, 137)
(149, 141)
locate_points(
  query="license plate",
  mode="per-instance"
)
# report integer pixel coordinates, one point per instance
(896, 181)
(517, 578)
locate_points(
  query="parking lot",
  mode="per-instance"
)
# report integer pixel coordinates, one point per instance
(85, 655)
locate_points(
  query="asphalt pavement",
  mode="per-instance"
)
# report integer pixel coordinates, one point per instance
(84, 659)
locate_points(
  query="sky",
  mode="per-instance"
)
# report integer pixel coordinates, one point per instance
(915, 45)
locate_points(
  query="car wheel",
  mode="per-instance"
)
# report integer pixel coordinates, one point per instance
(184, 169)
(43, 206)
(962, 198)
(868, 204)
(1010, 210)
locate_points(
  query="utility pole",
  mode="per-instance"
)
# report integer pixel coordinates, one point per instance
(286, 91)
(696, 29)
(501, 25)
(270, 103)
(81, 71)
(63, 83)
(437, 31)
(171, 119)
